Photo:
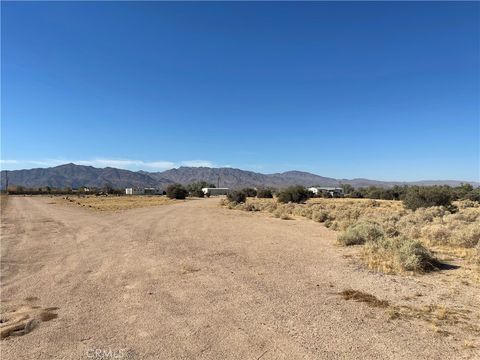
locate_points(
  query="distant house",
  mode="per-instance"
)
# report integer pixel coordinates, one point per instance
(143, 191)
(332, 191)
(152, 191)
(134, 191)
(215, 191)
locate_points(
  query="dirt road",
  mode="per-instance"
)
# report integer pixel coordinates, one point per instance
(194, 280)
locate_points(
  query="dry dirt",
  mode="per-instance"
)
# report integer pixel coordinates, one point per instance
(113, 203)
(193, 280)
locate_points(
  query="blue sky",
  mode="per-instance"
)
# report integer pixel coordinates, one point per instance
(387, 91)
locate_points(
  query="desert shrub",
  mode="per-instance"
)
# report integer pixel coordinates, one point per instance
(468, 203)
(264, 194)
(304, 211)
(250, 207)
(467, 236)
(250, 192)
(324, 194)
(399, 254)
(176, 191)
(294, 194)
(436, 233)
(319, 215)
(411, 255)
(360, 233)
(427, 196)
(237, 197)
(281, 213)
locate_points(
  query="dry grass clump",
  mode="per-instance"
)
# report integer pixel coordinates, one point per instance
(399, 254)
(113, 203)
(361, 296)
(440, 317)
(360, 233)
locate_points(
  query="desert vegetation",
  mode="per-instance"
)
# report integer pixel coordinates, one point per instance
(113, 203)
(396, 236)
(250, 192)
(264, 193)
(176, 191)
(195, 189)
(237, 197)
(294, 194)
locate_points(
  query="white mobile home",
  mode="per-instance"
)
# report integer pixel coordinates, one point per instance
(215, 191)
(134, 191)
(143, 191)
(333, 191)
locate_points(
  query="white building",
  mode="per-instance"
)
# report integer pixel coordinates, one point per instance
(215, 191)
(134, 191)
(143, 191)
(333, 191)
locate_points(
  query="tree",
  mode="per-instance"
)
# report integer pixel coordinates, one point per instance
(426, 196)
(462, 191)
(347, 189)
(250, 192)
(296, 194)
(473, 195)
(195, 188)
(176, 191)
(264, 194)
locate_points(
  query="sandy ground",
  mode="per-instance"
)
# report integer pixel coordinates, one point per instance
(194, 280)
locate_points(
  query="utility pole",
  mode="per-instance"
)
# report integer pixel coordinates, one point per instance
(218, 181)
(6, 182)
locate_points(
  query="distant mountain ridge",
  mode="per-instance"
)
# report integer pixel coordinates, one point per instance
(74, 176)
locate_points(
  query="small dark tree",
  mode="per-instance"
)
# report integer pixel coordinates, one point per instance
(347, 189)
(264, 194)
(296, 194)
(426, 196)
(462, 191)
(473, 195)
(176, 191)
(237, 196)
(398, 192)
(250, 192)
(195, 189)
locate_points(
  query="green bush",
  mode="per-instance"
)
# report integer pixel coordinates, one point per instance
(360, 233)
(195, 189)
(237, 197)
(295, 194)
(473, 195)
(176, 191)
(427, 196)
(250, 192)
(197, 193)
(264, 194)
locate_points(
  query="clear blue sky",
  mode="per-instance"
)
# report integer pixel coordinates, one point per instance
(387, 91)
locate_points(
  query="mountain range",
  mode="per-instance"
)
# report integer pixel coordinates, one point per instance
(74, 176)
